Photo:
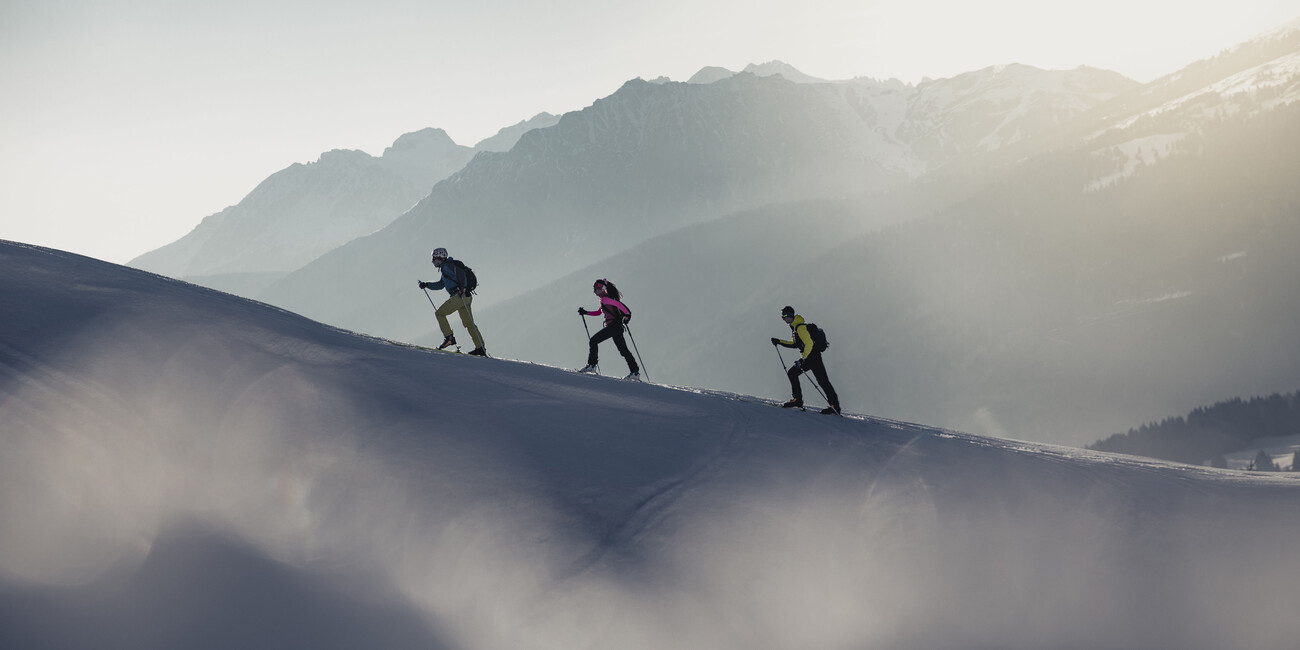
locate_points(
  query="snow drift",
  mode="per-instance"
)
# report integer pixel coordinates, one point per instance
(183, 468)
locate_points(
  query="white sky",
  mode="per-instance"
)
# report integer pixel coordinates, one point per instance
(124, 122)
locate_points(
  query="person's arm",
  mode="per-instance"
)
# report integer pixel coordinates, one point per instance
(597, 312)
(783, 343)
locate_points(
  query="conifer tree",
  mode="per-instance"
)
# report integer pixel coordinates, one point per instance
(1264, 463)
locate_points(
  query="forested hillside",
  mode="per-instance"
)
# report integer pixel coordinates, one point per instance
(1207, 433)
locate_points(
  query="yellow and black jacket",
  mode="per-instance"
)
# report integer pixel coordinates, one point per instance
(801, 339)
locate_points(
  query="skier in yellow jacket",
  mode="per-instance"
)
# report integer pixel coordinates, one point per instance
(810, 359)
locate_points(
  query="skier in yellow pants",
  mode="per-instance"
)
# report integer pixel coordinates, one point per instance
(459, 281)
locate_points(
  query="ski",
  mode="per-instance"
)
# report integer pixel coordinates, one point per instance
(592, 373)
(825, 411)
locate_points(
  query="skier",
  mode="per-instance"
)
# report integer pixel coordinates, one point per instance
(616, 317)
(456, 279)
(810, 359)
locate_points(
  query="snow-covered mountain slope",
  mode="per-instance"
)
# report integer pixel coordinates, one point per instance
(976, 112)
(999, 106)
(1138, 129)
(1260, 88)
(183, 468)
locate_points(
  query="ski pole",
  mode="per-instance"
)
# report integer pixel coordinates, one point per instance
(817, 388)
(638, 352)
(426, 295)
(583, 316)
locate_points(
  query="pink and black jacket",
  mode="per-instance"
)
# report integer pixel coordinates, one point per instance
(614, 311)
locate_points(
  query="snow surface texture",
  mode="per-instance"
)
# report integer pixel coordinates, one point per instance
(183, 468)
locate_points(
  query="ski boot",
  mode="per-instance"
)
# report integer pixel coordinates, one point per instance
(833, 409)
(447, 342)
(478, 352)
(589, 368)
(633, 376)
(792, 404)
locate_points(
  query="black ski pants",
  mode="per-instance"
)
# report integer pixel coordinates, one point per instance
(612, 331)
(813, 363)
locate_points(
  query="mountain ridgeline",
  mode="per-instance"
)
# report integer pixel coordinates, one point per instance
(305, 210)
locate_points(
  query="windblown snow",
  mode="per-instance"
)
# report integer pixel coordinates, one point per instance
(183, 468)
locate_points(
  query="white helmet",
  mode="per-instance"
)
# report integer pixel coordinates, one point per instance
(439, 254)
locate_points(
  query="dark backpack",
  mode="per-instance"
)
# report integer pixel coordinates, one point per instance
(818, 336)
(471, 280)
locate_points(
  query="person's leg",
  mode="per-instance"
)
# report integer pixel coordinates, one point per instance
(443, 312)
(593, 353)
(818, 368)
(796, 389)
(621, 344)
(467, 319)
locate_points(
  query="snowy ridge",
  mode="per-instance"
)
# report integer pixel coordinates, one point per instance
(170, 453)
(1154, 133)
(1282, 74)
(983, 110)
(986, 110)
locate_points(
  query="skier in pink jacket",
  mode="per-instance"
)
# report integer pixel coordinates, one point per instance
(616, 317)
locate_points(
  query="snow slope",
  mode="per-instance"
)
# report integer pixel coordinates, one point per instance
(183, 468)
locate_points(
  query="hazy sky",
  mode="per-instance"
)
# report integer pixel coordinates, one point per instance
(124, 122)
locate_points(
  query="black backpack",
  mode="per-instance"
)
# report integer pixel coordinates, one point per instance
(471, 280)
(818, 336)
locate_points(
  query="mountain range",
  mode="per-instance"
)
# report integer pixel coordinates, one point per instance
(304, 211)
(1011, 251)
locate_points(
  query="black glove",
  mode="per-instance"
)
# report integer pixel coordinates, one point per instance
(423, 285)
(582, 311)
(798, 365)
(776, 341)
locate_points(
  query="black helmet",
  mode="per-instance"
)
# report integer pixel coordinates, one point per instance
(787, 311)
